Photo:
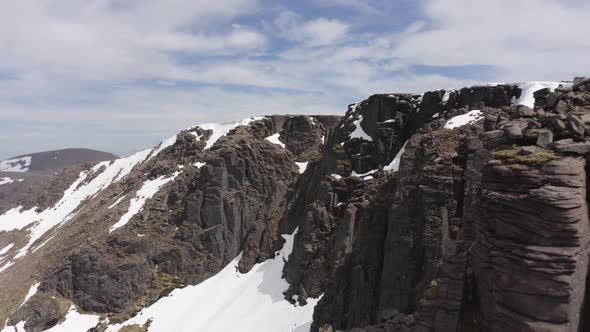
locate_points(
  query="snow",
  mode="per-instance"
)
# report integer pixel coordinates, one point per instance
(16, 219)
(446, 96)
(199, 164)
(353, 173)
(220, 130)
(117, 202)
(32, 291)
(389, 121)
(464, 119)
(526, 97)
(74, 321)
(394, 165)
(6, 181)
(231, 301)
(5, 266)
(16, 165)
(102, 174)
(147, 191)
(274, 139)
(164, 144)
(359, 132)
(6, 249)
(302, 166)
(336, 176)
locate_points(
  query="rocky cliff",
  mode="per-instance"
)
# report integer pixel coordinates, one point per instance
(449, 211)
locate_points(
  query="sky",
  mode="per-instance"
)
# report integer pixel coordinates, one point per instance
(121, 75)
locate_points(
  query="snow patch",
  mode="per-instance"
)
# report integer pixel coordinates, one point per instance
(446, 96)
(74, 321)
(528, 89)
(5, 266)
(231, 301)
(359, 132)
(19, 165)
(6, 249)
(117, 202)
(16, 219)
(302, 166)
(336, 176)
(164, 144)
(462, 120)
(6, 181)
(394, 165)
(147, 191)
(274, 139)
(32, 291)
(353, 173)
(220, 130)
(199, 164)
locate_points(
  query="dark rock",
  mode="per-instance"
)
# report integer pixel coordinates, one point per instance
(561, 107)
(576, 124)
(528, 150)
(513, 132)
(544, 138)
(581, 148)
(492, 134)
(558, 124)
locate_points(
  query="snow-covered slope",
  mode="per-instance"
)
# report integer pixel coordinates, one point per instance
(231, 301)
(130, 186)
(16, 165)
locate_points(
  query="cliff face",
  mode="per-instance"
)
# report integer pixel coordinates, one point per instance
(448, 211)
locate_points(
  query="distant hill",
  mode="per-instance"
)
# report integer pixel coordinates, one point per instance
(51, 161)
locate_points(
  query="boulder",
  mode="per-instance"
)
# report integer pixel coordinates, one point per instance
(513, 132)
(544, 138)
(581, 148)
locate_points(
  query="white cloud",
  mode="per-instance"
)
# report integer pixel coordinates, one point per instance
(525, 40)
(151, 67)
(316, 32)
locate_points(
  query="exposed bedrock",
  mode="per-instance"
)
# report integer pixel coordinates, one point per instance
(530, 257)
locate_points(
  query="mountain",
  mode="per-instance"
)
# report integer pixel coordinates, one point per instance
(51, 161)
(451, 210)
(40, 179)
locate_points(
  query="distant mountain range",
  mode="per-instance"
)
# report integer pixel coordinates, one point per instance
(51, 161)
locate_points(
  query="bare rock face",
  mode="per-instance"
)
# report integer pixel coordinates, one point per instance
(530, 256)
(230, 203)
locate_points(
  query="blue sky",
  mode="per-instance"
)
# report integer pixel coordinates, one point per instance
(120, 75)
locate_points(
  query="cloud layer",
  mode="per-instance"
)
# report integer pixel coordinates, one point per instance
(120, 75)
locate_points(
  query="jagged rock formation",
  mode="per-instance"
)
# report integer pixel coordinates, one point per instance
(448, 211)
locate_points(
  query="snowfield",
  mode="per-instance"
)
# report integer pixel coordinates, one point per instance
(19, 165)
(464, 119)
(231, 301)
